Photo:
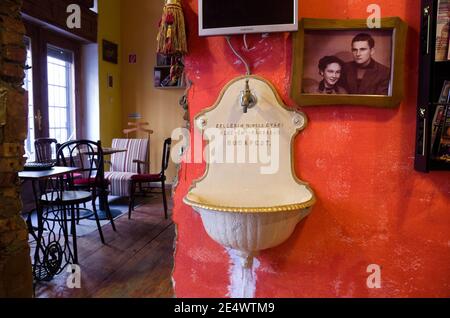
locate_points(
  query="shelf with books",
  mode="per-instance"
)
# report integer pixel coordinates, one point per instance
(440, 131)
(434, 87)
(164, 80)
(442, 30)
(169, 72)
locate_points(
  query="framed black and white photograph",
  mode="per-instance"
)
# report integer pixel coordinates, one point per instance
(344, 62)
(110, 52)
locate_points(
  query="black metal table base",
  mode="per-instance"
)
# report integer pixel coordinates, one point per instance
(53, 251)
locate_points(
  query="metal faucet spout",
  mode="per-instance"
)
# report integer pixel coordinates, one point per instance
(248, 100)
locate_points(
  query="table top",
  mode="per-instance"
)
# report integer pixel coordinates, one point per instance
(44, 174)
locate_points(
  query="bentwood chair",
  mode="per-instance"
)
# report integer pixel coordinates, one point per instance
(45, 149)
(139, 179)
(90, 158)
(66, 199)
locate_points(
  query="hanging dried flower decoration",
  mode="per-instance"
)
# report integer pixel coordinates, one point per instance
(172, 33)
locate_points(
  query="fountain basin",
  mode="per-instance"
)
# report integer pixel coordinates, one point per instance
(249, 229)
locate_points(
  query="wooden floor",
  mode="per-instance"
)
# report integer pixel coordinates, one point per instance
(136, 261)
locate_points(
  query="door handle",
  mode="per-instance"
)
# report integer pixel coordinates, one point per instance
(38, 117)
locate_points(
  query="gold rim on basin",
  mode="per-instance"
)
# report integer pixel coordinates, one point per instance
(274, 209)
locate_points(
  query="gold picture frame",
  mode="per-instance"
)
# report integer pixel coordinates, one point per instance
(318, 39)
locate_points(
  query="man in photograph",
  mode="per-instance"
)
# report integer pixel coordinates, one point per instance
(364, 75)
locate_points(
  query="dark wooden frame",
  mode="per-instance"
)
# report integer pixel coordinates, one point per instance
(110, 52)
(395, 24)
(432, 75)
(40, 38)
(52, 14)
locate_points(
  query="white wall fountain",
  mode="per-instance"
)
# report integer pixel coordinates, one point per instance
(249, 198)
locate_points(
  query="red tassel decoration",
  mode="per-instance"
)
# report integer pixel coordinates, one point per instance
(172, 33)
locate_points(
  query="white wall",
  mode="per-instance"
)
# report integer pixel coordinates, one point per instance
(90, 104)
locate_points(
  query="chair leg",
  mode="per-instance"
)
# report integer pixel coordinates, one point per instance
(131, 200)
(108, 210)
(141, 190)
(66, 230)
(163, 189)
(74, 234)
(64, 222)
(94, 208)
(71, 213)
(109, 214)
(110, 217)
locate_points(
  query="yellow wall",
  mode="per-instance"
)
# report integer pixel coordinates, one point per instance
(109, 24)
(158, 107)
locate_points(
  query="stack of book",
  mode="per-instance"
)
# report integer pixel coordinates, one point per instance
(440, 133)
(442, 32)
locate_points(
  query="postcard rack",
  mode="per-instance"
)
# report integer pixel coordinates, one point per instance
(433, 74)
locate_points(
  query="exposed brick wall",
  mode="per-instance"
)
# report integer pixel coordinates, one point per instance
(15, 263)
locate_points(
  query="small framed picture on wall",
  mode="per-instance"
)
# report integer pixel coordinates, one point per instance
(110, 52)
(343, 62)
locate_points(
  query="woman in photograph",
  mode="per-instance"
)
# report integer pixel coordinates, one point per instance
(330, 69)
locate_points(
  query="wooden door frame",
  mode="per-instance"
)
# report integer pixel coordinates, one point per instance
(40, 39)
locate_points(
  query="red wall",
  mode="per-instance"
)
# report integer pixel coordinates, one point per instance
(372, 206)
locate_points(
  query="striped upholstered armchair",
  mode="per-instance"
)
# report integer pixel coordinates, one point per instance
(124, 165)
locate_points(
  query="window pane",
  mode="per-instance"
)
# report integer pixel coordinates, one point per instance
(60, 94)
(28, 85)
(56, 73)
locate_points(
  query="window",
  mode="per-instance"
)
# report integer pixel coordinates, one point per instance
(61, 94)
(28, 86)
(51, 83)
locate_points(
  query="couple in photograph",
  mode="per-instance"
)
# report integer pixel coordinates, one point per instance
(362, 76)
